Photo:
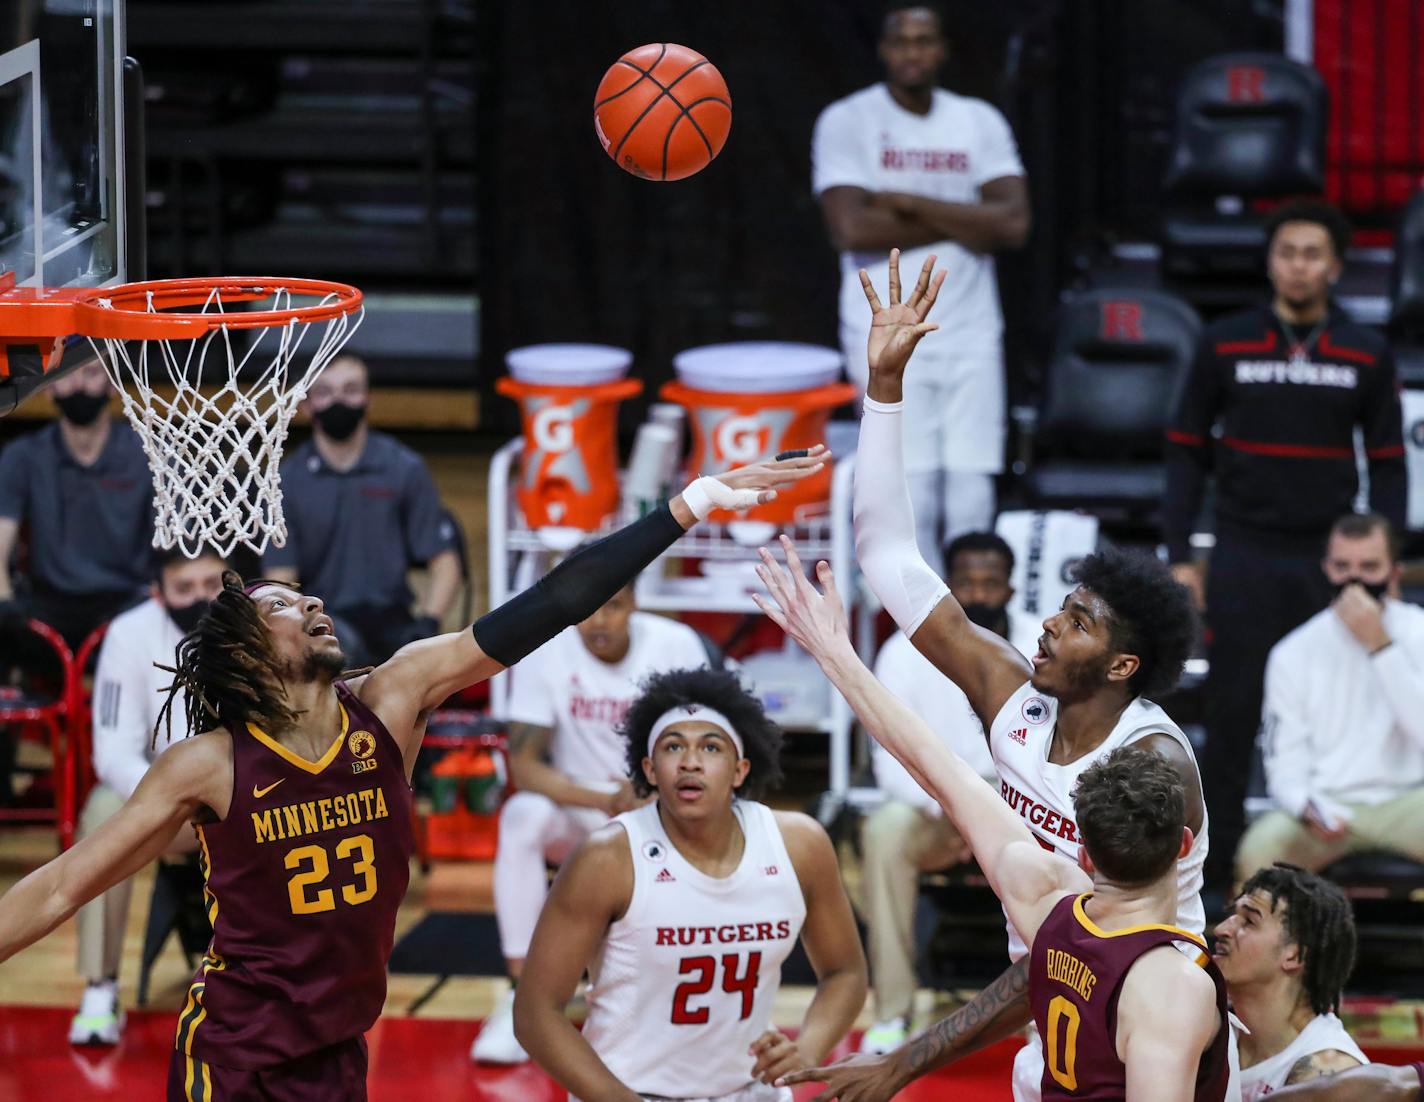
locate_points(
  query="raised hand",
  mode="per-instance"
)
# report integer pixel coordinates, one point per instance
(815, 620)
(764, 478)
(896, 329)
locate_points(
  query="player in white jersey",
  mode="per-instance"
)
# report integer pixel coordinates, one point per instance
(1121, 637)
(1286, 951)
(683, 912)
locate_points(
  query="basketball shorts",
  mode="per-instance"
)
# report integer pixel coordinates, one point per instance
(1028, 1070)
(336, 1073)
(753, 1092)
(955, 405)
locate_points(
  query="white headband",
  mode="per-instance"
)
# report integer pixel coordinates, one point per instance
(700, 712)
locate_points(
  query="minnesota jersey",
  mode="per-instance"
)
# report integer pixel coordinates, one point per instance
(304, 876)
(1323, 1033)
(1020, 739)
(683, 982)
(1076, 972)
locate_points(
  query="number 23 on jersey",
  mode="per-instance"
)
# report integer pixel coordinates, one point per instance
(307, 890)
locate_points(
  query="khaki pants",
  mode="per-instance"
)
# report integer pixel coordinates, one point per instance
(1396, 826)
(101, 921)
(900, 842)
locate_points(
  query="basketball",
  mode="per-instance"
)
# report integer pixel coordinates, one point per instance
(662, 112)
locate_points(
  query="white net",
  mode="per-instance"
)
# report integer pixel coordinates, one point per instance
(212, 414)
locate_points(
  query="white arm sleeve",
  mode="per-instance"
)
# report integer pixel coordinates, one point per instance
(885, 522)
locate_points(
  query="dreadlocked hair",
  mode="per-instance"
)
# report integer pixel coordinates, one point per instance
(228, 669)
(1319, 922)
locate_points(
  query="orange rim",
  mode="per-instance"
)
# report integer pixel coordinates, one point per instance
(127, 315)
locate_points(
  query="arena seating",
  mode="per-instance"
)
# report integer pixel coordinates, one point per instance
(1406, 320)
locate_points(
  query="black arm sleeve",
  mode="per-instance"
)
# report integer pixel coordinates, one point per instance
(1384, 443)
(575, 589)
(1188, 453)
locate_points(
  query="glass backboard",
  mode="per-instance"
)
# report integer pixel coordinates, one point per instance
(61, 143)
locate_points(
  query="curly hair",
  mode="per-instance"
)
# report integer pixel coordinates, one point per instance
(1318, 920)
(1131, 809)
(1325, 215)
(1152, 614)
(719, 689)
(229, 670)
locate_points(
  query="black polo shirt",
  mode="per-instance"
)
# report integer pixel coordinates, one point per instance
(352, 535)
(1273, 411)
(91, 528)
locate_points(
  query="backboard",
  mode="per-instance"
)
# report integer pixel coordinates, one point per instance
(62, 164)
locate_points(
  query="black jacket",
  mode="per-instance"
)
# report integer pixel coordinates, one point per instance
(1284, 455)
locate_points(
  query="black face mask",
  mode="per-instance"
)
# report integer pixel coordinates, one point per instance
(340, 420)
(80, 408)
(993, 618)
(1374, 589)
(187, 616)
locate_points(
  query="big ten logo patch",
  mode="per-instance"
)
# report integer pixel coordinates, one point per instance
(1035, 710)
(1121, 320)
(362, 745)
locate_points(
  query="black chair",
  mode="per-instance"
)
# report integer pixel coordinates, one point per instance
(176, 904)
(1119, 358)
(1387, 894)
(1406, 315)
(1248, 126)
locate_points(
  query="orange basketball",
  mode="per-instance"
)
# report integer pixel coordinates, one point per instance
(662, 112)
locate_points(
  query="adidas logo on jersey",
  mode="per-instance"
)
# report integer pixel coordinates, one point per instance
(664, 877)
(1020, 736)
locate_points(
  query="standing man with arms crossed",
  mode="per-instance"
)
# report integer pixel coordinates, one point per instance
(1102, 944)
(1288, 383)
(908, 163)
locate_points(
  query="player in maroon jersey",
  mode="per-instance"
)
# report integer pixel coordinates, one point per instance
(1371, 1083)
(297, 782)
(1103, 951)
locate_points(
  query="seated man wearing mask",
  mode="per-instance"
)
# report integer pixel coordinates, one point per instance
(1343, 719)
(908, 834)
(128, 693)
(345, 484)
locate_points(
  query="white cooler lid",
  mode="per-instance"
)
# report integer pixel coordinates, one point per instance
(568, 364)
(758, 367)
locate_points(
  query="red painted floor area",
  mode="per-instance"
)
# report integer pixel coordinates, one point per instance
(411, 1058)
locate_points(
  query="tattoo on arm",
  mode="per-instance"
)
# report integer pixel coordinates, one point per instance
(1003, 1004)
(1318, 1064)
(528, 736)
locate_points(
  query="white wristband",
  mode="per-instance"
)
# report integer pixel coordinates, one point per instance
(872, 406)
(707, 493)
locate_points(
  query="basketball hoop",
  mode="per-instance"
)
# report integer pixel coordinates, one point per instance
(209, 384)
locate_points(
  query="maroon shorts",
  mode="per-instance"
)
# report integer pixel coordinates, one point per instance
(336, 1073)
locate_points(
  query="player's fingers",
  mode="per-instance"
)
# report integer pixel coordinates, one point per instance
(771, 610)
(775, 580)
(793, 564)
(922, 284)
(805, 1075)
(894, 277)
(869, 289)
(922, 310)
(765, 496)
(827, 577)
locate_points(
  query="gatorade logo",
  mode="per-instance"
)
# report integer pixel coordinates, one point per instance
(739, 439)
(553, 429)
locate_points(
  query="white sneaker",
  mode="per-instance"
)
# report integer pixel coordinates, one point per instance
(100, 1020)
(885, 1036)
(496, 1043)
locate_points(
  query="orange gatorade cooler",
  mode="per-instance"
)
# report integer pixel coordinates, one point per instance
(568, 395)
(750, 400)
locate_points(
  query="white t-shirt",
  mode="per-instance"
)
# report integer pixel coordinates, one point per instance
(940, 703)
(869, 141)
(1322, 1033)
(129, 693)
(562, 686)
(684, 982)
(1339, 723)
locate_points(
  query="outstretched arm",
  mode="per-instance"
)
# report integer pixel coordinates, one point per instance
(997, 1012)
(987, 668)
(424, 673)
(1023, 876)
(169, 795)
(1371, 1083)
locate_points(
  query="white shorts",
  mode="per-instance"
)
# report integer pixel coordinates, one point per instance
(753, 1092)
(954, 403)
(1028, 1070)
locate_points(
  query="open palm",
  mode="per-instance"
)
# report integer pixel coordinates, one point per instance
(896, 329)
